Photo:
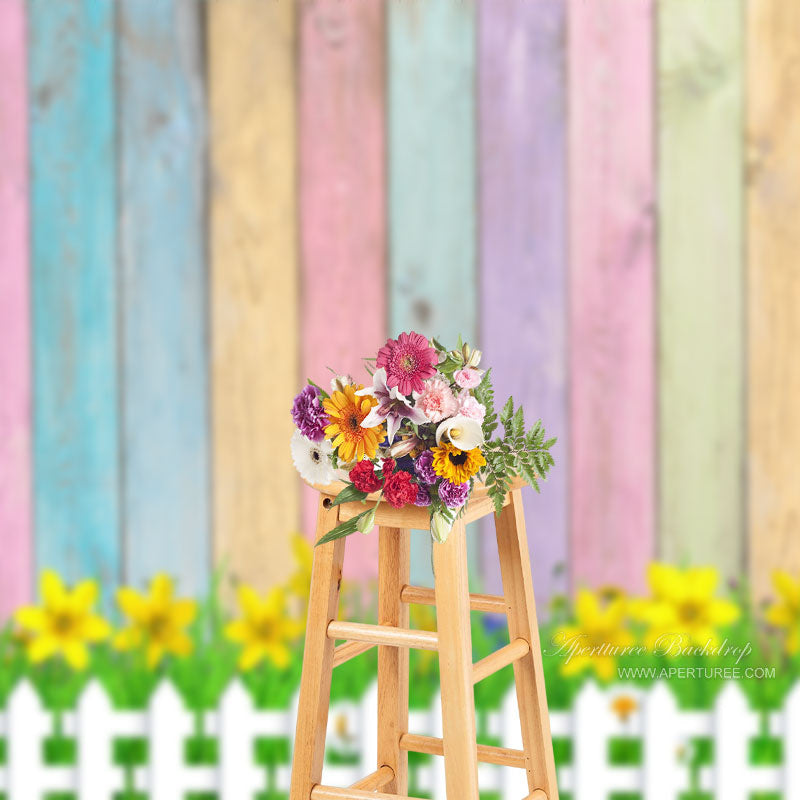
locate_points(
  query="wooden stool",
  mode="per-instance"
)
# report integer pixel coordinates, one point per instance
(453, 640)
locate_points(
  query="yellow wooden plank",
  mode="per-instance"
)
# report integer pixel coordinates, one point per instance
(254, 287)
(773, 237)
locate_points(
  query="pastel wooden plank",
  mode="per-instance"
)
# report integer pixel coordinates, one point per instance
(254, 286)
(73, 235)
(700, 297)
(431, 164)
(162, 247)
(342, 204)
(16, 541)
(773, 241)
(523, 261)
(612, 459)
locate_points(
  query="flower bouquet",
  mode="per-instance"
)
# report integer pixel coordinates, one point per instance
(422, 433)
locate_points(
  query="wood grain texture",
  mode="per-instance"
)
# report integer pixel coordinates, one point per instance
(700, 284)
(74, 235)
(166, 509)
(432, 176)
(254, 286)
(523, 259)
(612, 455)
(16, 539)
(773, 240)
(342, 203)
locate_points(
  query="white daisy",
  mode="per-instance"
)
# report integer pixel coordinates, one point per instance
(312, 459)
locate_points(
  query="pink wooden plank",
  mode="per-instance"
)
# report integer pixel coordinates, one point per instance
(523, 249)
(15, 464)
(342, 188)
(611, 135)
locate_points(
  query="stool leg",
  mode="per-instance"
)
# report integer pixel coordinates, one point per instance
(315, 684)
(393, 574)
(515, 568)
(455, 665)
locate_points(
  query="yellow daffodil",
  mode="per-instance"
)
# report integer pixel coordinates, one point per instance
(785, 612)
(264, 629)
(64, 624)
(598, 636)
(684, 604)
(157, 621)
(300, 582)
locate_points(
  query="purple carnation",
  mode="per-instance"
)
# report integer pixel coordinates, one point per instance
(423, 498)
(423, 466)
(309, 415)
(454, 495)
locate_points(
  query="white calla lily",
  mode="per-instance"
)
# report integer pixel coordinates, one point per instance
(462, 432)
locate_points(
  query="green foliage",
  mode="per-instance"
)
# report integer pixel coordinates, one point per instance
(518, 452)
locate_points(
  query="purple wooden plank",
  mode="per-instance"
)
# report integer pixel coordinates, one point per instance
(15, 423)
(612, 340)
(523, 247)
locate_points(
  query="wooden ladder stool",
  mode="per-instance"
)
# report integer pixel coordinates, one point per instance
(452, 640)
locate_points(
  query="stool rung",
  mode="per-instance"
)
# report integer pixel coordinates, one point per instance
(501, 658)
(383, 634)
(477, 602)
(504, 756)
(375, 780)
(344, 652)
(320, 792)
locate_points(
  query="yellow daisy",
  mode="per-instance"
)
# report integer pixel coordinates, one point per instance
(265, 629)
(457, 466)
(157, 621)
(63, 624)
(347, 412)
(785, 611)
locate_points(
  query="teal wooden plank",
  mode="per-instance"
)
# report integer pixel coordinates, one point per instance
(73, 238)
(432, 274)
(164, 365)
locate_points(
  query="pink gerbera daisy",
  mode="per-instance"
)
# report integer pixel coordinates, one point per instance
(409, 360)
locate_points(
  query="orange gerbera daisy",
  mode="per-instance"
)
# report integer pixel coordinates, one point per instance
(346, 412)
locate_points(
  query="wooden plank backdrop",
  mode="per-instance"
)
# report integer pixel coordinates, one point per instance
(73, 236)
(612, 380)
(773, 240)
(163, 292)
(700, 289)
(254, 286)
(523, 300)
(16, 541)
(432, 203)
(342, 142)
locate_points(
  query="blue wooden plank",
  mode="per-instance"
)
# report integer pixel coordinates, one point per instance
(431, 101)
(73, 230)
(164, 365)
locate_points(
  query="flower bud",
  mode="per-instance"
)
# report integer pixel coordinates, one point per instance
(475, 358)
(440, 528)
(367, 522)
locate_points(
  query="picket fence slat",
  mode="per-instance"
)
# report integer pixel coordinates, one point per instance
(654, 718)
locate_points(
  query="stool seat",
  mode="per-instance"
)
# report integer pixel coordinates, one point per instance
(452, 641)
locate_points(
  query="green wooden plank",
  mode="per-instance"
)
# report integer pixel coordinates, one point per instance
(701, 323)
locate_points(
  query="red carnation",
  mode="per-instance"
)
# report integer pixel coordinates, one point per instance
(399, 490)
(387, 468)
(364, 478)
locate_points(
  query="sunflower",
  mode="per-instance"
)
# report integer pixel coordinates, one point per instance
(347, 412)
(457, 466)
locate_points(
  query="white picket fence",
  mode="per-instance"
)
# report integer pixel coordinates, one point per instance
(664, 731)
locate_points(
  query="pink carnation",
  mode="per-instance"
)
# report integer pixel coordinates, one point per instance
(437, 400)
(469, 407)
(467, 378)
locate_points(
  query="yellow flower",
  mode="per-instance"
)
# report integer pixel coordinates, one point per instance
(300, 582)
(785, 612)
(457, 466)
(64, 623)
(346, 412)
(423, 618)
(623, 705)
(683, 603)
(596, 638)
(264, 629)
(157, 621)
